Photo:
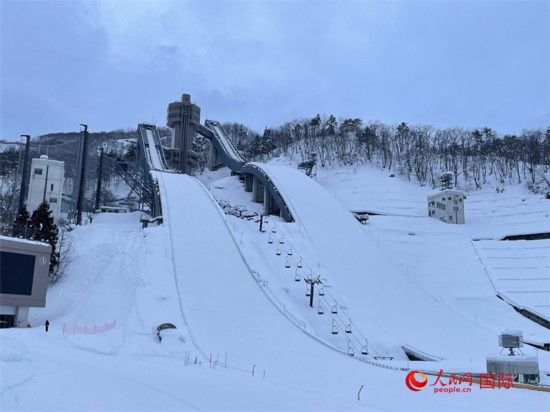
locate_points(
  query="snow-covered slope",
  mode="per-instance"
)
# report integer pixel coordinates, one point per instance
(189, 272)
(374, 287)
(122, 273)
(520, 271)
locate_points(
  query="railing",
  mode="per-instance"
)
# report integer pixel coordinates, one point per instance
(87, 330)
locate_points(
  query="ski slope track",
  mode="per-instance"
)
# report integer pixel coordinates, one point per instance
(375, 289)
(152, 148)
(228, 317)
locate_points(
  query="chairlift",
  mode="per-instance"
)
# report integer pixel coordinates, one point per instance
(287, 263)
(299, 264)
(289, 253)
(270, 240)
(365, 349)
(322, 291)
(308, 290)
(282, 239)
(334, 309)
(348, 328)
(351, 350)
(334, 328)
(278, 252)
(296, 276)
(274, 229)
(320, 309)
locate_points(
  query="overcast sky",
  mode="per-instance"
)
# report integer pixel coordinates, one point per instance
(115, 64)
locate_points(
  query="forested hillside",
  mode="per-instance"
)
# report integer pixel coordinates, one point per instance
(417, 152)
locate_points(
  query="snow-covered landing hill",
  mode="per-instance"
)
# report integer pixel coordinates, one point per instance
(123, 273)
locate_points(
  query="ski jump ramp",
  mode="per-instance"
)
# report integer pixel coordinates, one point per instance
(380, 297)
(228, 317)
(382, 300)
(151, 147)
(256, 180)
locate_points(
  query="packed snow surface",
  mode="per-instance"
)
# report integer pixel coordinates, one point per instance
(380, 293)
(233, 347)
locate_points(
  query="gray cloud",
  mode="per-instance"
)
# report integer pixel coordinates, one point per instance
(114, 64)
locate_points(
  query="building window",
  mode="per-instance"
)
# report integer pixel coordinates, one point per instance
(450, 218)
(53, 199)
(37, 171)
(51, 187)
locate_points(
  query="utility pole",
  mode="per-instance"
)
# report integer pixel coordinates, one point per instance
(46, 183)
(23, 190)
(99, 176)
(84, 150)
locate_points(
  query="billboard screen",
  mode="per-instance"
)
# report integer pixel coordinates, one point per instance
(17, 271)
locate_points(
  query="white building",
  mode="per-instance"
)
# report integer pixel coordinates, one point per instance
(447, 206)
(46, 183)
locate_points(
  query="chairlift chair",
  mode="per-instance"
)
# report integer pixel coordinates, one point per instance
(320, 309)
(334, 328)
(351, 350)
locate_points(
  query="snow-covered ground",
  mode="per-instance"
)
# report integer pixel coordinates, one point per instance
(124, 274)
(439, 259)
(246, 337)
(520, 271)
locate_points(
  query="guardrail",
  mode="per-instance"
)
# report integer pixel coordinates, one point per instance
(87, 330)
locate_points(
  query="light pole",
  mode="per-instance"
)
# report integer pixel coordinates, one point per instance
(84, 150)
(99, 176)
(23, 190)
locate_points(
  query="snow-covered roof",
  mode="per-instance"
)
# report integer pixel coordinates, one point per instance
(47, 160)
(17, 239)
(446, 192)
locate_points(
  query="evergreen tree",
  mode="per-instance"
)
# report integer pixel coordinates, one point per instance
(21, 224)
(446, 180)
(44, 229)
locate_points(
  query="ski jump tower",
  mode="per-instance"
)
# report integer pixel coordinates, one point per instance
(184, 117)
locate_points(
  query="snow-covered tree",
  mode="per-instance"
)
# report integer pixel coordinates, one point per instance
(44, 229)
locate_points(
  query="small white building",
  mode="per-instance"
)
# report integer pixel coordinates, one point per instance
(24, 265)
(447, 206)
(46, 183)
